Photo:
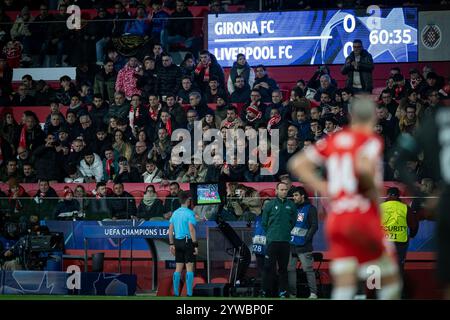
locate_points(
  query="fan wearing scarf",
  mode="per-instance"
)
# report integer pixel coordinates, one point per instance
(253, 117)
(208, 67)
(18, 201)
(151, 208)
(232, 120)
(243, 69)
(138, 115)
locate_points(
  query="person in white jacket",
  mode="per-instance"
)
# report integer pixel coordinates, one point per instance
(152, 174)
(91, 167)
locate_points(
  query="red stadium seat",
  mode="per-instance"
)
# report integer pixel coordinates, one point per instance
(138, 195)
(163, 194)
(267, 193)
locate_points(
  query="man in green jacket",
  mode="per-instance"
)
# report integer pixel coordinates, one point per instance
(279, 217)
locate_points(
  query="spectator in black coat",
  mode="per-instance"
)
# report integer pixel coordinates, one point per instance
(44, 202)
(186, 89)
(197, 104)
(176, 110)
(169, 76)
(264, 84)
(121, 204)
(214, 91)
(253, 173)
(150, 208)
(148, 81)
(34, 136)
(98, 110)
(98, 208)
(172, 203)
(241, 93)
(48, 160)
(127, 173)
(206, 69)
(21, 98)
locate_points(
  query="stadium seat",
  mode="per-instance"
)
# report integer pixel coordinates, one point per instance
(138, 195)
(163, 194)
(267, 193)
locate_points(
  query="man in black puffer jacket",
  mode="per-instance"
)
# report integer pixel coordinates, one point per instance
(169, 77)
(121, 204)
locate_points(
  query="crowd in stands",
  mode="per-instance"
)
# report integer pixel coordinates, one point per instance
(119, 121)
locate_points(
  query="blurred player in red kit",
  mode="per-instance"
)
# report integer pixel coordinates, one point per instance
(356, 241)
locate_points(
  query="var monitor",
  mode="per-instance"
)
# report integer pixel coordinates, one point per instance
(208, 193)
(313, 37)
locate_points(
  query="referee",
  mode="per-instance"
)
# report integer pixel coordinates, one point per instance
(183, 242)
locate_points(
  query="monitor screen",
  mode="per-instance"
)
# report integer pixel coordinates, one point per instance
(313, 37)
(207, 193)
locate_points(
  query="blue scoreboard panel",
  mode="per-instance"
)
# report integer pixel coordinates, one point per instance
(313, 37)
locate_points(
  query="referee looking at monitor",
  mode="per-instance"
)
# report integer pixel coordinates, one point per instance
(183, 242)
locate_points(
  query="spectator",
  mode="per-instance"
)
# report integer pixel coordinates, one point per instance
(58, 36)
(91, 167)
(303, 124)
(119, 109)
(150, 208)
(179, 27)
(347, 96)
(241, 92)
(23, 156)
(314, 82)
(255, 101)
(221, 109)
(54, 110)
(161, 150)
(386, 100)
(168, 77)
(48, 160)
(172, 171)
(208, 67)
(19, 202)
(29, 175)
(21, 98)
(276, 102)
(331, 125)
(10, 130)
(325, 87)
(399, 87)
(188, 66)
(44, 94)
(117, 59)
(158, 21)
(276, 122)
(214, 91)
(72, 126)
(197, 104)
(147, 83)
(186, 89)
(121, 204)
(292, 146)
(232, 120)
(98, 110)
(44, 202)
(66, 92)
(175, 110)
(97, 208)
(172, 202)
(21, 31)
(121, 146)
(74, 175)
(408, 123)
(101, 28)
(127, 78)
(388, 121)
(82, 197)
(120, 17)
(240, 68)
(105, 82)
(9, 171)
(54, 125)
(264, 84)
(253, 173)
(140, 25)
(359, 67)
(254, 117)
(76, 152)
(126, 173)
(68, 205)
(110, 164)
